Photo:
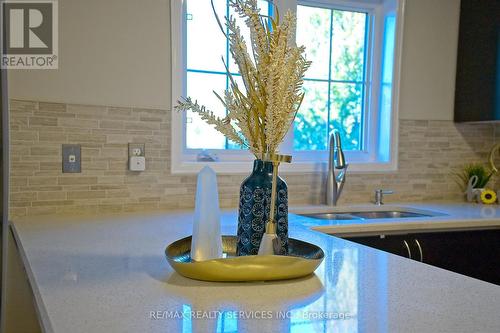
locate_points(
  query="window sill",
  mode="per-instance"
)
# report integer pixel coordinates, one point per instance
(238, 168)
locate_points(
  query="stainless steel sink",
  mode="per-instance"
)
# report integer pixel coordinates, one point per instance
(331, 216)
(370, 215)
(388, 215)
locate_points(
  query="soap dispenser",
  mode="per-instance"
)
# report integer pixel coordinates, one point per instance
(206, 242)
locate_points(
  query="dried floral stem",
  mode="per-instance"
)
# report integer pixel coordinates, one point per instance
(259, 117)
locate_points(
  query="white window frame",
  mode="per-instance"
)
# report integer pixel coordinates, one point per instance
(183, 161)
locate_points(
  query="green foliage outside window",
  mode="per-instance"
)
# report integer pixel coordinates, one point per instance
(335, 101)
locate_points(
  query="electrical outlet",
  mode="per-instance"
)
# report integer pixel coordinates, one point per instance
(136, 149)
(71, 159)
(136, 157)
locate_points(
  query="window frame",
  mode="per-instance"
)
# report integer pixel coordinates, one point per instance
(183, 161)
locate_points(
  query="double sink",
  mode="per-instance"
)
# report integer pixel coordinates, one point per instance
(371, 214)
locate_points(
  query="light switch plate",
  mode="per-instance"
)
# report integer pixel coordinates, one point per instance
(71, 159)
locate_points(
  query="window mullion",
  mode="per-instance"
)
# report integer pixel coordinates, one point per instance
(364, 105)
(328, 102)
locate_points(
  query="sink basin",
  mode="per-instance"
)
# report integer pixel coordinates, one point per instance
(388, 215)
(331, 216)
(394, 213)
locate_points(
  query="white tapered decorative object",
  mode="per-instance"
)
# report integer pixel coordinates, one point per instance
(207, 241)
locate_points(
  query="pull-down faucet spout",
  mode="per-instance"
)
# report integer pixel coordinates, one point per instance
(336, 161)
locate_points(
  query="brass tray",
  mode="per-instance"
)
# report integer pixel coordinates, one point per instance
(303, 259)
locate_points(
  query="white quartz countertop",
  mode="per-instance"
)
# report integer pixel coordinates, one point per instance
(110, 275)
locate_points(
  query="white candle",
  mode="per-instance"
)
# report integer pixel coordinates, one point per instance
(207, 241)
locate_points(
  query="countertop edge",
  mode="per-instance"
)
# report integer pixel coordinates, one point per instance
(41, 310)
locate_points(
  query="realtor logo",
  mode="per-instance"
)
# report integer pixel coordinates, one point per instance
(29, 35)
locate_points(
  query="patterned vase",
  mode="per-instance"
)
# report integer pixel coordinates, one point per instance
(255, 199)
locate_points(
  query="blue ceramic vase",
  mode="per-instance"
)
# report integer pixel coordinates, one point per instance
(254, 207)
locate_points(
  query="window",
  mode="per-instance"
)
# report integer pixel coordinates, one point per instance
(351, 86)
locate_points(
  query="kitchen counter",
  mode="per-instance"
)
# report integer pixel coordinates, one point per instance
(110, 275)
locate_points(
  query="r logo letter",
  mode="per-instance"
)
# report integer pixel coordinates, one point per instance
(35, 21)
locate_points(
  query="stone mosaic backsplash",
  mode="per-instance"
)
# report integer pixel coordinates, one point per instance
(428, 152)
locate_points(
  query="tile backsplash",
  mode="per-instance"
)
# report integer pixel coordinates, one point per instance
(428, 151)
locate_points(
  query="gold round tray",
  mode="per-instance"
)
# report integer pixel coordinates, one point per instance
(302, 260)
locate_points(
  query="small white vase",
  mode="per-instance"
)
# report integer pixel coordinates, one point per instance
(477, 195)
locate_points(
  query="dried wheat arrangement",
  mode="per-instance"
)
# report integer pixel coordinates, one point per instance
(259, 116)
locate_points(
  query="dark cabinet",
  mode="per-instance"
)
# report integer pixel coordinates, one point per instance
(472, 253)
(396, 244)
(477, 88)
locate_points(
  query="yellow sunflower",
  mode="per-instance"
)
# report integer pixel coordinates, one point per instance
(488, 196)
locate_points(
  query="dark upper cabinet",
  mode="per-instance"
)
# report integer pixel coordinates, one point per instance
(477, 93)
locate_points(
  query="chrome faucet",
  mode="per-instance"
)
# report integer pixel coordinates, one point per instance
(336, 161)
(379, 196)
